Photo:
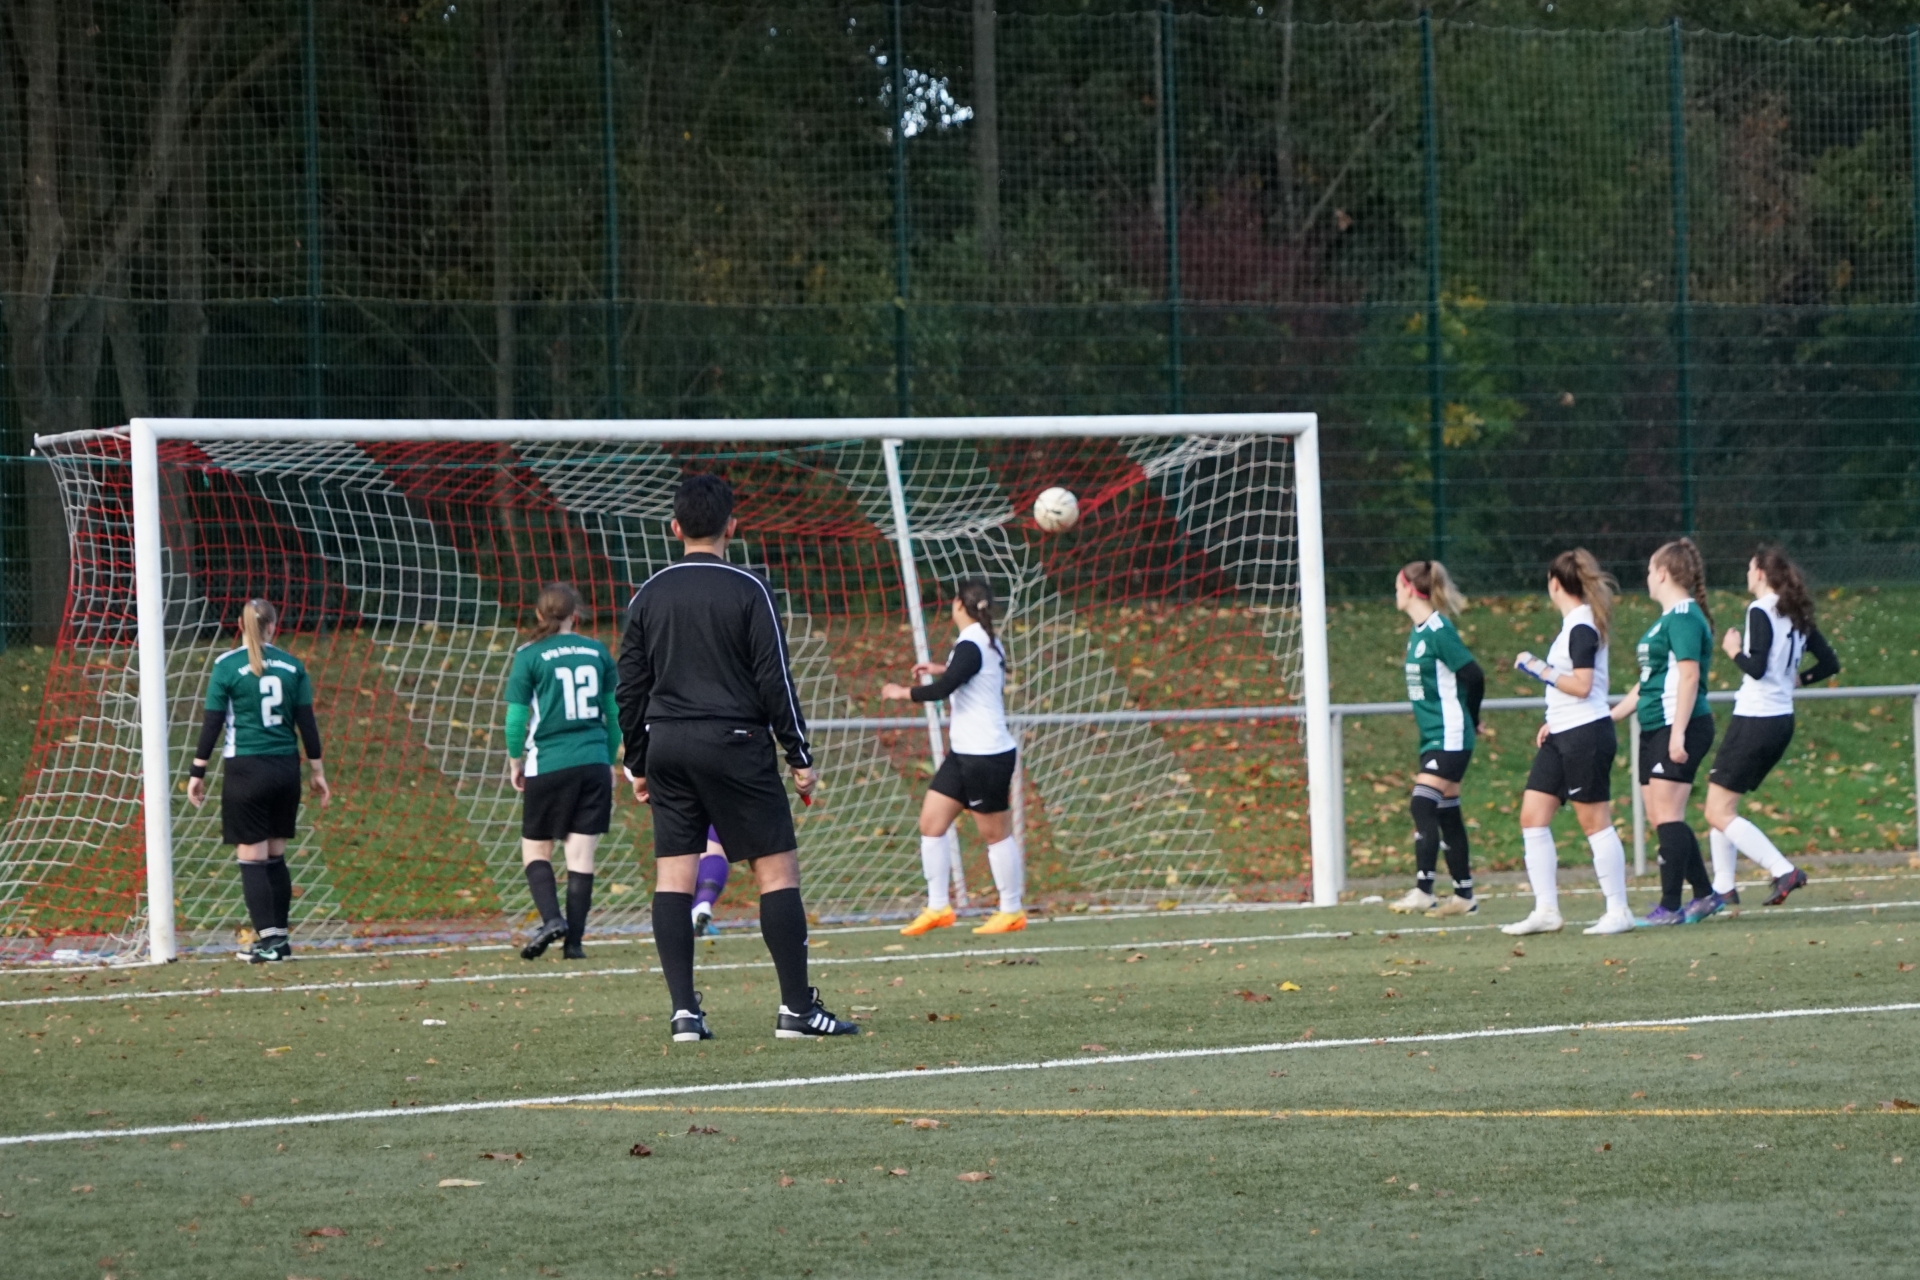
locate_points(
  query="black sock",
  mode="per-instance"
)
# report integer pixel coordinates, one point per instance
(256, 886)
(1453, 842)
(579, 902)
(673, 939)
(1697, 873)
(546, 898)
(1426, 835)
(783, 923)
(1673, 861)
(282, 880)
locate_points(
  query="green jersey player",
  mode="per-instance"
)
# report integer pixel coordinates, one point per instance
(1445, 685)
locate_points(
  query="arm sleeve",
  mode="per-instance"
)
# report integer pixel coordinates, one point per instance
(1693, 643)
(518, 713)
(778, 699)
(1752, 659)
(636, 685)
(303, 720)
(1473, 688)
(1826, 662)
(963, 664)
(210, 727)
(1583, 646)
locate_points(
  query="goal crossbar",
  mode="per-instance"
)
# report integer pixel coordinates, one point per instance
(144, 434)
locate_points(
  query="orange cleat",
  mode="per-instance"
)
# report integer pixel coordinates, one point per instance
(928, 920)
(1004, 922)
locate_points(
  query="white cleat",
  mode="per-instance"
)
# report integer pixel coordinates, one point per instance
(1415, 901)
(1611, 922)
(1537, 922)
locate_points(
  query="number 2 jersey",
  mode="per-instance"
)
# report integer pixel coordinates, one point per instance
(568, 682)
(1444, 694)
(260, 710)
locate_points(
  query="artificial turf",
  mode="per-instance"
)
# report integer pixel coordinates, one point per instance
(1776, 1145)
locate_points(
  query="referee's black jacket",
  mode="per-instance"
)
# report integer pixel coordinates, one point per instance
(703, 641)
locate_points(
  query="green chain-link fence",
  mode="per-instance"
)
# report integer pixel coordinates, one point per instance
(1543, 287)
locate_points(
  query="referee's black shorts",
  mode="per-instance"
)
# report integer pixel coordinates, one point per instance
(575, 801)
(719, 774)
(259, 799)
(1753, 745)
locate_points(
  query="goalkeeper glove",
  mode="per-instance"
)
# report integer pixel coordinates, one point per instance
(1527, 664)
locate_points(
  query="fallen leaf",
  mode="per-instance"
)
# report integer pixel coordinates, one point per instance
(1254, 997)
(460, 1182)
(1093, 1048)
(1899, 1104)
(924, 1123)
(1395, 973)
(1695, 1057)
(1639, 1093)
(1520, 951)
(1605, 1146)
(1135, 956)
(514, 1156)
(1389, 994)
(640, 1149)
(975, 1177)
(1906, 966)
(335, 1232)
(246, 1202)
(701, 1130)
(1289, 986)
(1305, 1035)
(785, 1181)
(898, 1173)
(277, 1050)
(87, 1189)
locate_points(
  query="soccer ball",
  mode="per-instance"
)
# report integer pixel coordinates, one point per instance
(1056, 510)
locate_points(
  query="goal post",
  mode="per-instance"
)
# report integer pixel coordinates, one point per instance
(1195, 577)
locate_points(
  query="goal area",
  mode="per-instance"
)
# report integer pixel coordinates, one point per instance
(1168, 679)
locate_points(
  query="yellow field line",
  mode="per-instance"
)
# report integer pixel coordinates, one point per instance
(1194, 1113)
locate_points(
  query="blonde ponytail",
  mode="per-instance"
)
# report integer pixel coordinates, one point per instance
(1581, 577)
(255, 617)
(1431, 582)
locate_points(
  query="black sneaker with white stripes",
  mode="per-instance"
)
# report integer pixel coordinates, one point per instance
(816, 1021)
(691, 1026)
(549, 932)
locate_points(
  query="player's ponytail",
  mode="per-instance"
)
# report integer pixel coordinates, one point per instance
(1431, 582)
(1581, 577)
(1783, 575)
(1682, 561)
(976, 597)
(255, 617)
(558, 602)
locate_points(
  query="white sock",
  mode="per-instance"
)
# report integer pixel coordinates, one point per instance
(1009, 865)
(1726, 861)
(1543, 866)
(1753, 842)
(958, 868)
(933, 862)
(1610, 866)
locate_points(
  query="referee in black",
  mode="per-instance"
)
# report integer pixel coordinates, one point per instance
(705, 691)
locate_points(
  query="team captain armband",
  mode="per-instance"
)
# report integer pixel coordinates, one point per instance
(1538, 668)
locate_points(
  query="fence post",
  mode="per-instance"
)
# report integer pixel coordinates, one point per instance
(1338, 759)
(310, 120)
(1916, 773)
(1913, 181)
(610, 177)
(902, 350)
(1436, 387)
(1170, 193)
(1639, 800)
(1682, 334)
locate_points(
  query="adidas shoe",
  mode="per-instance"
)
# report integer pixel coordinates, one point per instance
(814, 1022)
(1537, 921)
(1611, 922)
(1415, 900)
(572, 951)
(549, 932)
(689, 1027)
(1700, 908)
(1660, 916)
(703, 926)
(1786, 884)
(1455, 906)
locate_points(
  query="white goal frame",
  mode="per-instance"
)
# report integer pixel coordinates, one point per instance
(144, 435)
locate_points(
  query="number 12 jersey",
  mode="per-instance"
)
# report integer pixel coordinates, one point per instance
(568, 681)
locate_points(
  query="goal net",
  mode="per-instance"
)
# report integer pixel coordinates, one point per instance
(1159, 653)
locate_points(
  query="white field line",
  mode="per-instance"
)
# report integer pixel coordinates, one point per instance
(977, 953)
(319, 955)
(874, 1077)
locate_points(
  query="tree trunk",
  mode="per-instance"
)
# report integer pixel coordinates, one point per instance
(186, 340)
(986, 125)
(496, 26)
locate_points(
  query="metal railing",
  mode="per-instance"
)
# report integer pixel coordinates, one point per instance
(1341, 710)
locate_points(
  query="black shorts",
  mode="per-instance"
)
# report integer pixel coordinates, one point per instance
(1653, 751)
(712, 773)
(1576, 764)
(980, 783)
(576, 801)
(1753, 745)
(259, 799)
(1451, 765)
